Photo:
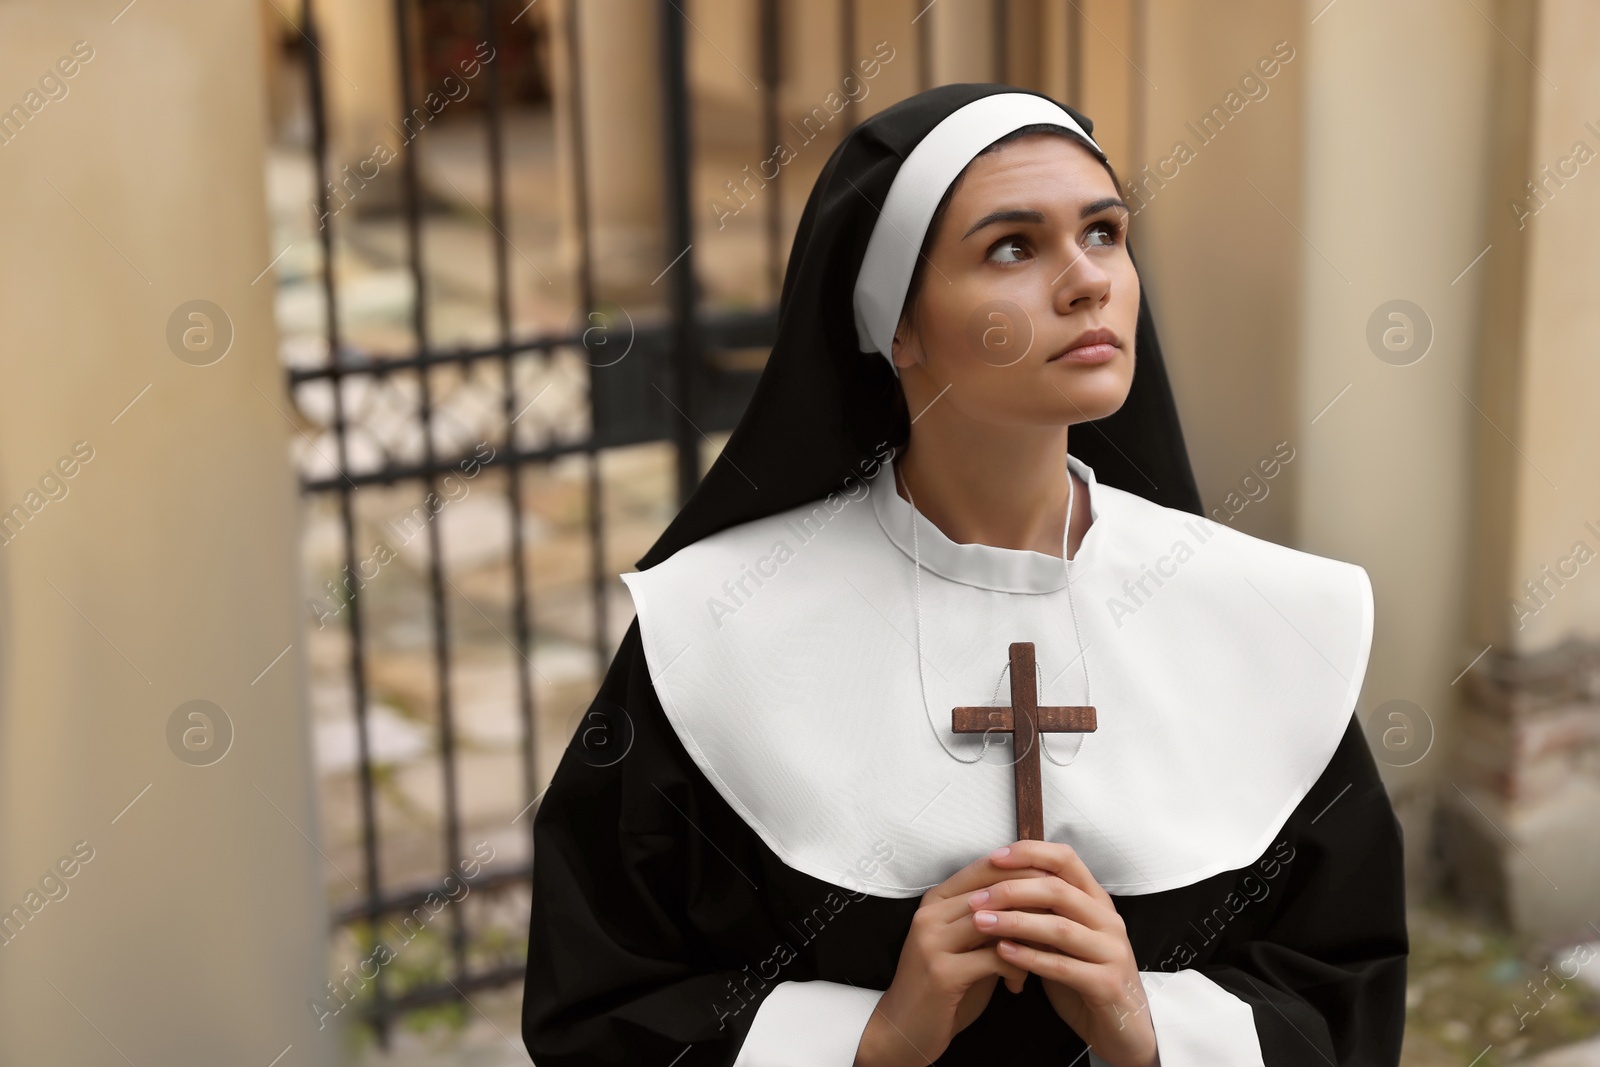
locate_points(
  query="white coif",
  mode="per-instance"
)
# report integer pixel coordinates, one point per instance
(917, 188)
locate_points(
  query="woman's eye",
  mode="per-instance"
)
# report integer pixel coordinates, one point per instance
(1108, 230)
(1004, 244)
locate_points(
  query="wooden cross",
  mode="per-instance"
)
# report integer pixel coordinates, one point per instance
(1025, 720)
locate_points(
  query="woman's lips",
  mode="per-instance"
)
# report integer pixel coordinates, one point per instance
(1095, 353)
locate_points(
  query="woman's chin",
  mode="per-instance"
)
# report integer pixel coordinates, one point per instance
(1096, 389)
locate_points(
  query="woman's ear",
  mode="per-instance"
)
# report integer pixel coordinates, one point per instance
(903, 351)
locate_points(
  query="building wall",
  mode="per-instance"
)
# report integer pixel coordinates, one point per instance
(157, 564)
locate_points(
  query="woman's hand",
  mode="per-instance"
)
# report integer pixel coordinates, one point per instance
(948, 970)
(1065, 928)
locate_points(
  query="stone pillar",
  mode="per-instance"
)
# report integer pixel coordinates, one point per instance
(1388, 341)
(361, 76)
(961, 40)
(620, 83)
(888, 21)
(1520, 818)
(1111, 82)
(161, 900)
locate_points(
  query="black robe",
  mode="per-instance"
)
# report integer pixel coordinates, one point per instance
(660, 920)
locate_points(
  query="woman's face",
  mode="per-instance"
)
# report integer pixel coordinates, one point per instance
(1031, 253)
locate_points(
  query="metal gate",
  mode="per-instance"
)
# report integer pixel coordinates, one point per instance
(667, 390)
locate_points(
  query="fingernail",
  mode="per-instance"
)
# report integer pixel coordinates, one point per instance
(1007, 947)
(978, 898)
(1001, 852)
(986, 918)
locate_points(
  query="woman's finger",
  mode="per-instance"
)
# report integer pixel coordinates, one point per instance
(979, 873)
(979, 963)
(1058, 859)
(1070, 971)
(952, 916)
(1064, 936)
(1050, 894)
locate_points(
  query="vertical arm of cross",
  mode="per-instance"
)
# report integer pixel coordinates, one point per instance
(1025, 743)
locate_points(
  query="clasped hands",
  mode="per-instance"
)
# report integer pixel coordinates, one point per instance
(1031, 907)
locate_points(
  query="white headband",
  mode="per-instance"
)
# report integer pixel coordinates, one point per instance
(917, 188)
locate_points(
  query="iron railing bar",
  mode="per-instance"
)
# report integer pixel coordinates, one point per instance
(598, 577)
(675, 104)
(502, 298)
(414, 472)
(1001, 59)
(919, 9)
(771, 16)
(847, 62)
(429, 995)
(431, 357)
(1138, 109)
(714, 326)
(358, 671)
(415, 896)
(441, 620)
(1075, 56)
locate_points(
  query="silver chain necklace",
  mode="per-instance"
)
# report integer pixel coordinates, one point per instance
(916, 555)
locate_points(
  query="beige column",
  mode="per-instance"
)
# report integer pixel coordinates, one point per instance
(1521, 820)
(161, 900)
(1111, 76)
(895, 78)
(1541, 380)
(619, 79)
(1392, 288)
(961, 39)
(361, 77)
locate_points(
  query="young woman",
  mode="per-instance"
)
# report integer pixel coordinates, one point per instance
(769, 845)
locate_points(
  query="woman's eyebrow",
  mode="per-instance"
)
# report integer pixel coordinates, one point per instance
(1093, 207)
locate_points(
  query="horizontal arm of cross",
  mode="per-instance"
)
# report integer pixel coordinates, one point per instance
(1050, 720)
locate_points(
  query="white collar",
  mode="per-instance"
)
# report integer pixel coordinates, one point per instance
(1224, 668)
(1008, 570)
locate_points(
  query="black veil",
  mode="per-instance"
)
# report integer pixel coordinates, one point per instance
(822, 407)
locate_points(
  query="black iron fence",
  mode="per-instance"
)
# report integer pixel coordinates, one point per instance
(668, 389)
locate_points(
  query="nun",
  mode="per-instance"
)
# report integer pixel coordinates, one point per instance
(769, 843)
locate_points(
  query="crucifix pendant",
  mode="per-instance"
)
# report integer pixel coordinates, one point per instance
(1025, 720)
